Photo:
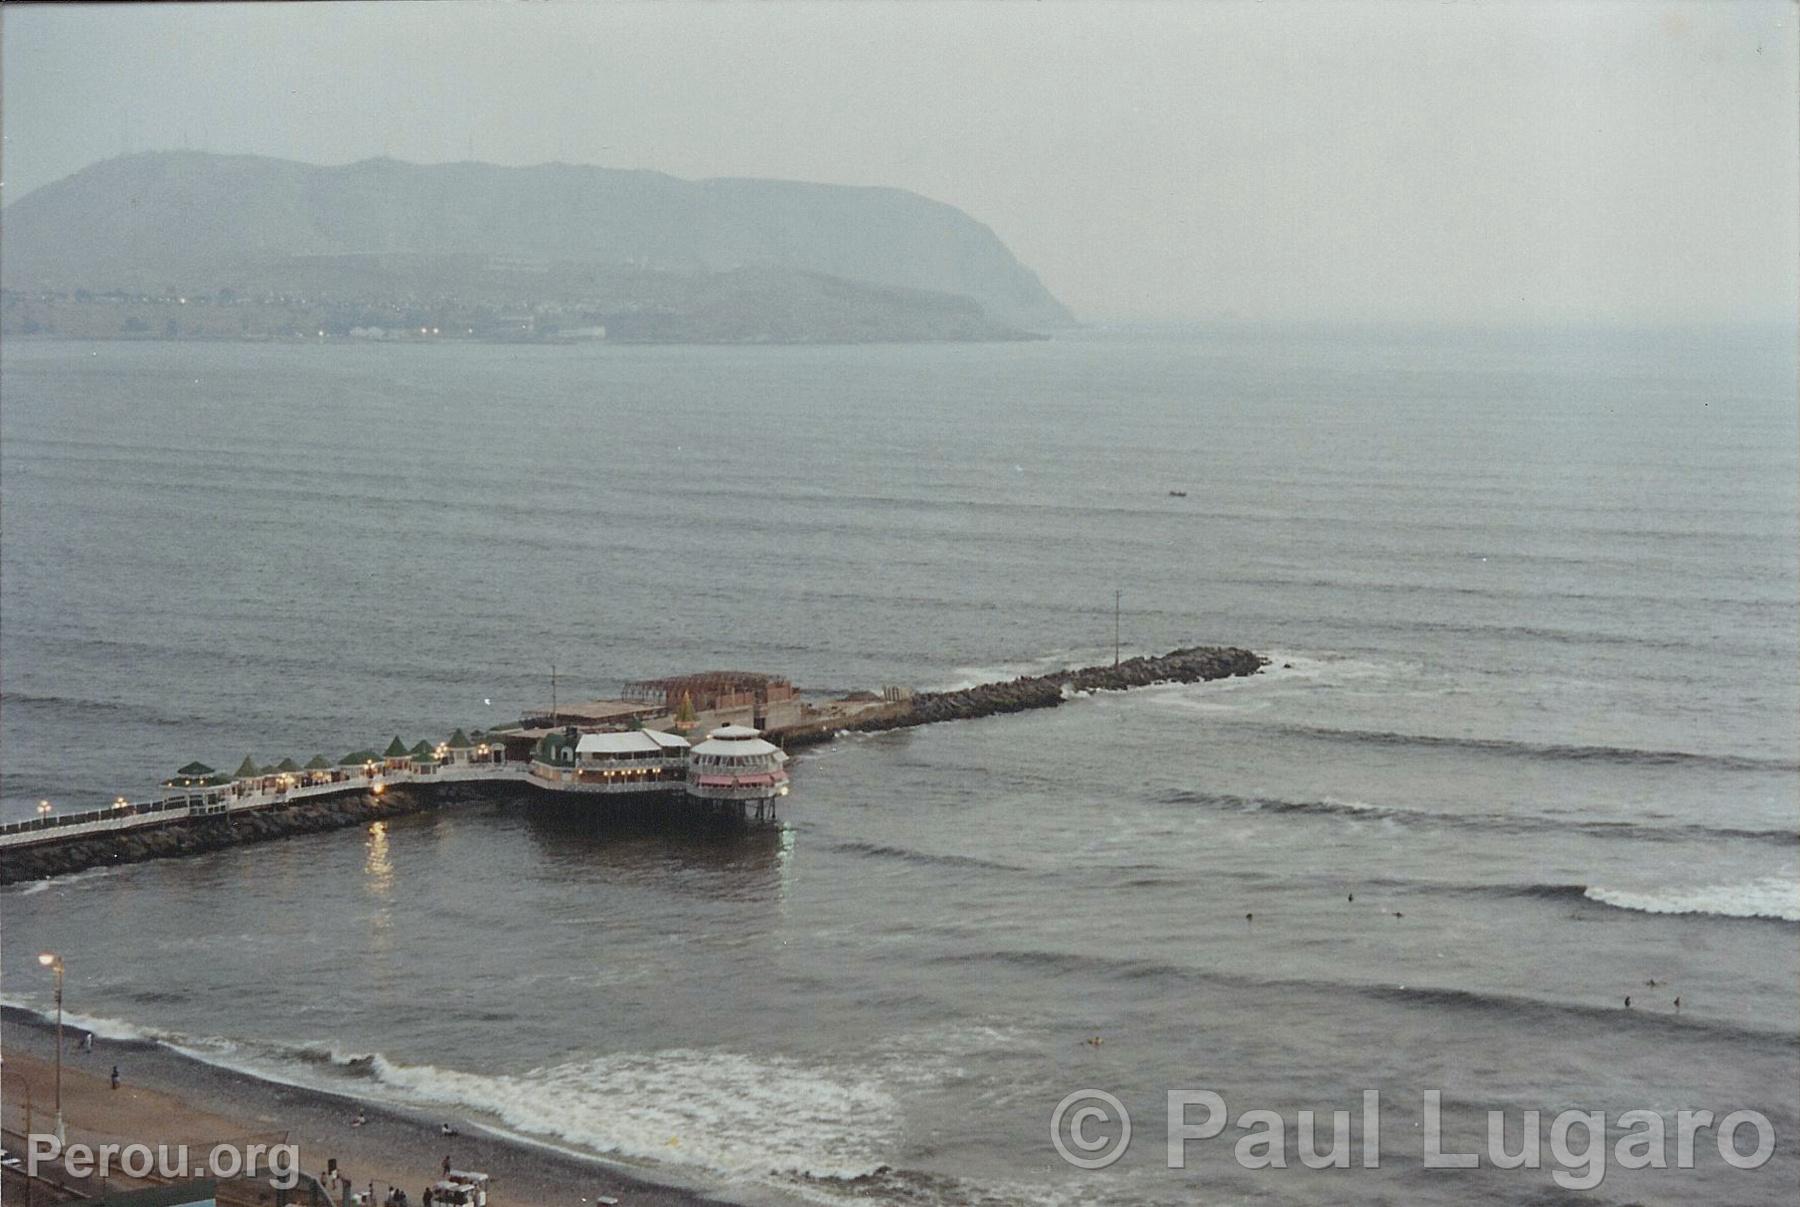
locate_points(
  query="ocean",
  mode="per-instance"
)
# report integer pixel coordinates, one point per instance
(1527, 742)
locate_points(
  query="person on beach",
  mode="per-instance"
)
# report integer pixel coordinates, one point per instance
(87, 1042)
(115, 1077)
(446, 1165)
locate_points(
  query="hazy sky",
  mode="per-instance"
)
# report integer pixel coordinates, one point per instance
(1426, 160)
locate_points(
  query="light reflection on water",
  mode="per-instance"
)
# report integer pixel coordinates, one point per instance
(378, 865)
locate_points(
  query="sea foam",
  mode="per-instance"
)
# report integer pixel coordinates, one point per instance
(723, 1112)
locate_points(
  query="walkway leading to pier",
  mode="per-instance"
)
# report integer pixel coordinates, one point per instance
(126, 816)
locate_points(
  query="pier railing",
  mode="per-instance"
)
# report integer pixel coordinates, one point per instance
(224, 801)
(114, 813)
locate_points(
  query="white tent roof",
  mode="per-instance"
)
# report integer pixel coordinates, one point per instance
(631, 742)
(740, 748)
(731, 732)
(616, 743)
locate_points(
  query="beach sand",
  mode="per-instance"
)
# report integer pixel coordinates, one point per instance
(165, 1097)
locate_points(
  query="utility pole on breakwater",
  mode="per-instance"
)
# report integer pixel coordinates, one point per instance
(553, 695)
(1117, 595)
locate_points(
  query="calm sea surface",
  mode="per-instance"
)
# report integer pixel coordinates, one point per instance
(1533, 608)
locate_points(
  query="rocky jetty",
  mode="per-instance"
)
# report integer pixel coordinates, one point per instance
(1193, 664)
(193, 835)
(185, 835)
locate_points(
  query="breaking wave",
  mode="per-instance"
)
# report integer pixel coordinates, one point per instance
(1513, 1006)
(1770, 898)
(703, 1112)
(32, 888)
(1510, 822)
(879, 851)
(1624, 755)
(680, 1107)
(963, 678)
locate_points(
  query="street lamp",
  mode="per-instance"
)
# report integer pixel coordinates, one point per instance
(54, 962)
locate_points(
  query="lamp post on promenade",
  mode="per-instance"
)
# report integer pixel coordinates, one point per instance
(54, 962)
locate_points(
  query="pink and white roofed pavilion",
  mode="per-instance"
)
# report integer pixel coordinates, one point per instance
(734, 763)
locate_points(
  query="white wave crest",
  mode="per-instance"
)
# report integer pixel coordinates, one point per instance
(721, 1112)
(103, 1027)
(34, 887)
(1770, 897)
(1287, 677)
(1359, 806)
(964, 678)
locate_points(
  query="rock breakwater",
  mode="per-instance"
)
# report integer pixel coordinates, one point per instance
(186, 835)
(1193, 664)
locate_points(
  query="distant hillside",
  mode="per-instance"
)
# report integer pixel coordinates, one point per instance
(201, 223)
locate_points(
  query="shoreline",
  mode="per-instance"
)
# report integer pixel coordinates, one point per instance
(167, 1095)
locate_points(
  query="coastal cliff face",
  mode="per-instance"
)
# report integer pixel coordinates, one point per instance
(611, 242)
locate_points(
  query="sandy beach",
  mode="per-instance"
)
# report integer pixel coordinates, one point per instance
(165, 1097)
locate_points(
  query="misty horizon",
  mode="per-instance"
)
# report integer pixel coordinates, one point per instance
(1501, 165)
(1421, 324)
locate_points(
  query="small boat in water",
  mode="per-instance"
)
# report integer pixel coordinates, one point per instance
(1178, 494)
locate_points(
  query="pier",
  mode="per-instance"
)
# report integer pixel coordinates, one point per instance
(604, 765)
